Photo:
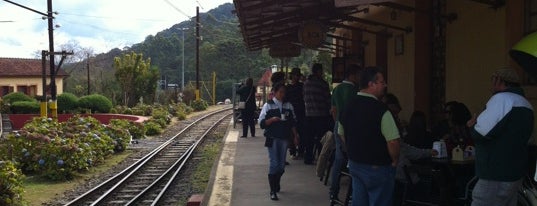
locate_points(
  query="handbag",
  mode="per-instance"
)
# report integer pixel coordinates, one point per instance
(242, 105)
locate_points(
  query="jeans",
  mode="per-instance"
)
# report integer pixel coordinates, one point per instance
(372, 185)
(491, 193)
(277, 154)
(339, 160)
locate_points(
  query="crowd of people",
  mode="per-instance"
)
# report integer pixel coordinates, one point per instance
(374, 144)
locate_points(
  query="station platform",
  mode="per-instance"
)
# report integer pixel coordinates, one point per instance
(240, 177)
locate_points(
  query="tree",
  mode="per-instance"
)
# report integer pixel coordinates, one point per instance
(136, 77)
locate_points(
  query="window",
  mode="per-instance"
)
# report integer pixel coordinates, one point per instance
(5, 90)
(28, 90)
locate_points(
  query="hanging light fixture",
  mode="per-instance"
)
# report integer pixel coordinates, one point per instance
(525, 53)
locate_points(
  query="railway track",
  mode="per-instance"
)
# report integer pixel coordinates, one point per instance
(146, 181)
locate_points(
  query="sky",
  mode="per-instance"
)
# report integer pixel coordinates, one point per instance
(97, 24)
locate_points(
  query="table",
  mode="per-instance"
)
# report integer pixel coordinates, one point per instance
(451, 178)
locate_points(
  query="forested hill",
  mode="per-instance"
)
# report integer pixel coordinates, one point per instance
(221, 49)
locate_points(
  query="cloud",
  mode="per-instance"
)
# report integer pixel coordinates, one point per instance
(99, 24)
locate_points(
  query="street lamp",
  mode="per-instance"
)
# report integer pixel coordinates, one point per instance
(183, 62)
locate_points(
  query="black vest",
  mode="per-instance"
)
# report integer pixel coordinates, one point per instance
(361, 120)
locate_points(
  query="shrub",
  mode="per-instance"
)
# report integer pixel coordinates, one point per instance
(67, 102)
(152, 128)
(17, 97)
(25, 107)
(199, 105)
(136, 129)
(96, 103)
(162, 114)
(180, 110)
(10, 184)
(181, 115)
(142, 110)
(4, 106)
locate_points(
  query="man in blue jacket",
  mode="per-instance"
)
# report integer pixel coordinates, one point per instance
(501, 135)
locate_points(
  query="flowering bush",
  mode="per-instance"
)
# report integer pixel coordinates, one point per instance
(10, 184)
(56, 150)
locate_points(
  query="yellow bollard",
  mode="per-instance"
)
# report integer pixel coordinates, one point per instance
(54, 109)
(43, 108)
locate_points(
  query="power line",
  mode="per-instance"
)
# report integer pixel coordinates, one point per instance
(177, 9)
(200, 5)
(94, 27)
(112, 17)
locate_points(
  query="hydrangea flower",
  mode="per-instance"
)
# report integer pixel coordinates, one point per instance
(41, 162)
(59, 162)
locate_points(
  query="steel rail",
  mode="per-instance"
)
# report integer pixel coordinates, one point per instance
(130, 170)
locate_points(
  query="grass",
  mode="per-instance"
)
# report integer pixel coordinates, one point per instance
(204, 167)
(39, 190)
(202, 173)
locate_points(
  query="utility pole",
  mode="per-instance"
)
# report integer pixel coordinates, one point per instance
(53, 103)
(87, 66)
(197, 53)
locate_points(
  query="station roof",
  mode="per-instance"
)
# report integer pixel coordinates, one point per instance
(264, 23)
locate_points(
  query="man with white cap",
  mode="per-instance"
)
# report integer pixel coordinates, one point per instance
(501, 133)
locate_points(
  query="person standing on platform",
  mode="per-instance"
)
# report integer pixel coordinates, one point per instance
(278, 120)
(501, 133)
(340, 97)
(295, 95)
(247, 94)
(317, 102)
(372, 142)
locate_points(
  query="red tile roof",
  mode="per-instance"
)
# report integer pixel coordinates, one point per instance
(265, 79)
(16, 67)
